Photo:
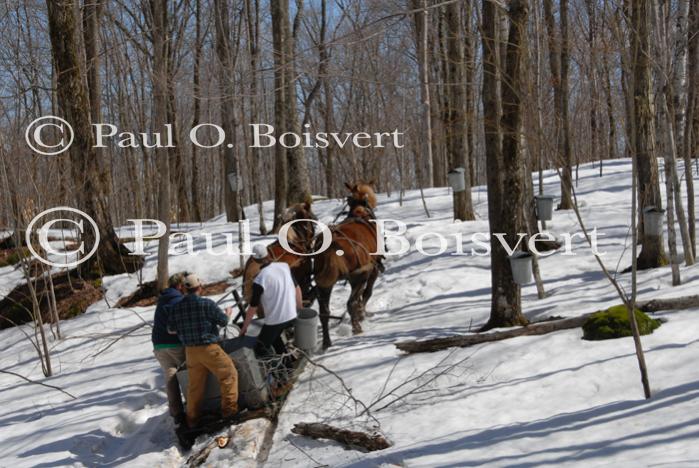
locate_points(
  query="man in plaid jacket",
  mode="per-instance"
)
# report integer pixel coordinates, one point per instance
(196, 320)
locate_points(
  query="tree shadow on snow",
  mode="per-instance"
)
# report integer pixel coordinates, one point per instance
(588, 419)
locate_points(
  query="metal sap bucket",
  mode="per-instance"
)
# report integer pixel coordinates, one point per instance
(521, 264)
(653, 221)
(457, 179)
(252, 391)
(306, 330)
(544, 207)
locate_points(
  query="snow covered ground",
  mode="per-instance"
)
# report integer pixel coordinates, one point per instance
(531, 401)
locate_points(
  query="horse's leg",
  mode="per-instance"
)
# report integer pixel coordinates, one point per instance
(324, 304)
(354, 304)
(369, 289)
(308, 290)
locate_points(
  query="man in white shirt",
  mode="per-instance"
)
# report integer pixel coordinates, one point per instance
(276, 292)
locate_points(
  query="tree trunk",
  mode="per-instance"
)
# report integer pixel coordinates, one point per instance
(691, 134)
(679, 73)
(280, 89)
(178, 172)
(559, 63)
(595, 152)
(91, 186)
(224, 53)
(299, 186)
(456, 131)
(421, 32)
(253, 23)
(504, 206)
(92, 11)
(652, 252)
(611, 136)
(328, 111)
(196, 91)
(159, 32)
(470, 87)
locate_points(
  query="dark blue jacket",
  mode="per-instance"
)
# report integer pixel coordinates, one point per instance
(168, 298)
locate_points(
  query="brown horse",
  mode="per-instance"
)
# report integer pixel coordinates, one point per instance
(300, 239)
(348, 257)
(361, 193)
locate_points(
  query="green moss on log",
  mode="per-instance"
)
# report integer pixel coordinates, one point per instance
(614, 323)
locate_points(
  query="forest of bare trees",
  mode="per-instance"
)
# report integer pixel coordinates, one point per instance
(499, 89)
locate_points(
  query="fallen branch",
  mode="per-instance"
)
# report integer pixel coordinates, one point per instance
(347, 389)
(38, 383)
(538, 328)
(354, 439)
(428, 376)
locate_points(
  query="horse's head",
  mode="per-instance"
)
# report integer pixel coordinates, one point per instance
(298, 211)
(361, 193)
(303, 229)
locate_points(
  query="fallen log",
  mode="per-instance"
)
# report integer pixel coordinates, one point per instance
(538, 328)
(354, 439)
(673, 303)
(222, 440)
(464, 341)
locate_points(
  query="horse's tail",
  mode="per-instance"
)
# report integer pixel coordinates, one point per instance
(328, 266)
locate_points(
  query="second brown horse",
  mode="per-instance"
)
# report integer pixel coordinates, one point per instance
(351, 256)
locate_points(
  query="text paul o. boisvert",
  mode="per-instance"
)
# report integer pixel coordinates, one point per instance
(209, 135)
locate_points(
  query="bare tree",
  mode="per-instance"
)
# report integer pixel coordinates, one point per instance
(196, 111)
(559, 62)
(504, 158)
(456, 130)
(691, 125)
(280, 89)
(298, 188)
(159, 32)
(226, 53)
(652, 251)
(421, 34)
(91, 188)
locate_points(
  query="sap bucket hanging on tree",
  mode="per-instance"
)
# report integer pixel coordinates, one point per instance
(306, 330)
(544, 207)
(521, 264)
(457, 179)
(653, 221)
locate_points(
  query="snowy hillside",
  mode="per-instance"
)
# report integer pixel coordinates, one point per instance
(547, 400)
